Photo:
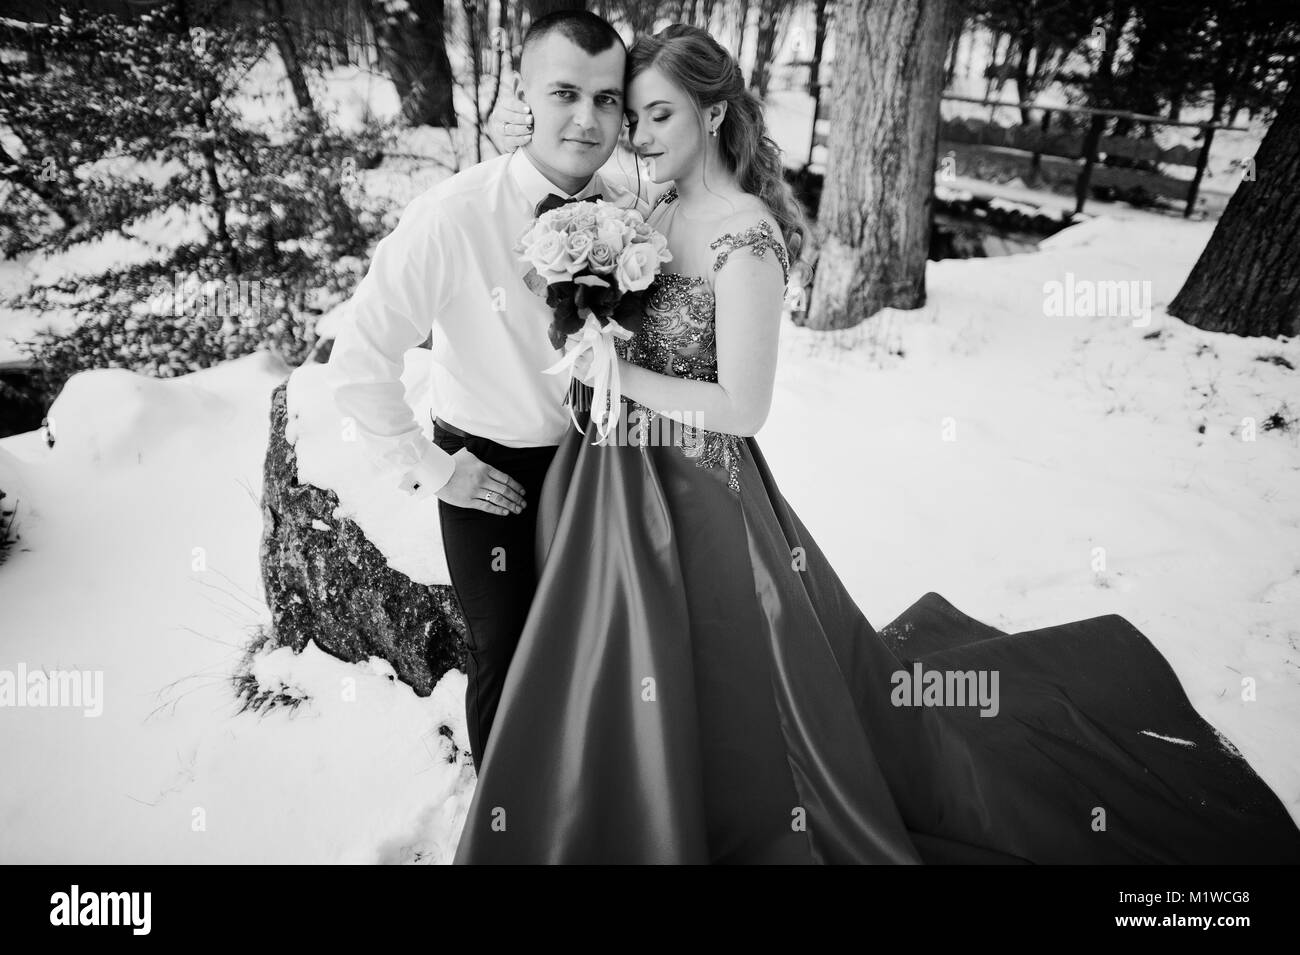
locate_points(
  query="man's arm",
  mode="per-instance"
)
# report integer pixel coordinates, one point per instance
(393, 310)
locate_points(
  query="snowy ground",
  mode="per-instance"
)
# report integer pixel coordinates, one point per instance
(140, 533)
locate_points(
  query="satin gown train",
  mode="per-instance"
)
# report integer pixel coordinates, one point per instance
(686, 691)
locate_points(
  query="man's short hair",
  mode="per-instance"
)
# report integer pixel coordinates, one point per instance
(586, 30)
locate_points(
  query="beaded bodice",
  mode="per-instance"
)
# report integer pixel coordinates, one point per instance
(677, 336)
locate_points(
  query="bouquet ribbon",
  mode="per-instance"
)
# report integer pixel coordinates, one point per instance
(599, 340)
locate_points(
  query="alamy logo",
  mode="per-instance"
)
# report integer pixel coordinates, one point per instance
(60, 688)
(191, 295)
(637, 428)
(102, 908)
(1085, 298)
(946, 688)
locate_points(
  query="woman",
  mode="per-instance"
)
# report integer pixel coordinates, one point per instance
(694, 683)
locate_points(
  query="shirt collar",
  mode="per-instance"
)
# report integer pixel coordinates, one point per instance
(536, 187)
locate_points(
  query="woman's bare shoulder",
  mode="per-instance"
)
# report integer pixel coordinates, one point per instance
(753, 227)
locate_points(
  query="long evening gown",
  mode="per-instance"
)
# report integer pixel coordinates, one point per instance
(695, 685)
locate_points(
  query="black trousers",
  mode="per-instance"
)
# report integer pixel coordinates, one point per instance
(493, 571)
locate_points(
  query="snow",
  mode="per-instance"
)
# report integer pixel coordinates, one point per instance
(140, 530)
(1169, 739)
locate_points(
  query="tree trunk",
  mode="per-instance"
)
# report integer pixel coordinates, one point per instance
(876, 207)
(639, 16)
(414, 55)
(1091, 142)
(769, 17)
(742, 14)
(1024, 89)
(950, 69)
(475, 31)
(995, 65)
(1247, 281)
(706, 14)
(1035, 178)
(819, 45)
(1101, 94)
(287, 45)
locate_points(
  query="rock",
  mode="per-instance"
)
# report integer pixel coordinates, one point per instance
(326, 582)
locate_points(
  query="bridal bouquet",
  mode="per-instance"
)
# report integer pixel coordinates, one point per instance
(592, 261)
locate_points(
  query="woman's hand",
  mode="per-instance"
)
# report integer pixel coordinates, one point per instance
(511, 122)
(582, 364)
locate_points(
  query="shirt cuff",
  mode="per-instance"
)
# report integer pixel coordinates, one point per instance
(430, 475)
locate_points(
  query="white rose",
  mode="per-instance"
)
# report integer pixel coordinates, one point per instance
(550, 256)
(602, 257)
(583, 218)
(636, 267)
(578, 245)
(531, 237)
(559, 216)
(613, 232)
(660, 245)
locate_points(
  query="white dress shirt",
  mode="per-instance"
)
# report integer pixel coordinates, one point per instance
(449, 267)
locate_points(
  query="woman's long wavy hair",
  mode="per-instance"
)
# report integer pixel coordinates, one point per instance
(695, 62)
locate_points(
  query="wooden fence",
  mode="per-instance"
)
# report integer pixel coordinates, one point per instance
(1123, 163)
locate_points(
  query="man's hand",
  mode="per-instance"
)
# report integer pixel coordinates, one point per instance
(477, 484)
(511, 122)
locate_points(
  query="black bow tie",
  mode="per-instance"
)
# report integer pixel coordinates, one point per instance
(552, 201)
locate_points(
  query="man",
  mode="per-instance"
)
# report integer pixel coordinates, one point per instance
(449, 267)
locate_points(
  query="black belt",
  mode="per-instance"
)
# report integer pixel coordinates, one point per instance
(451, 428)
